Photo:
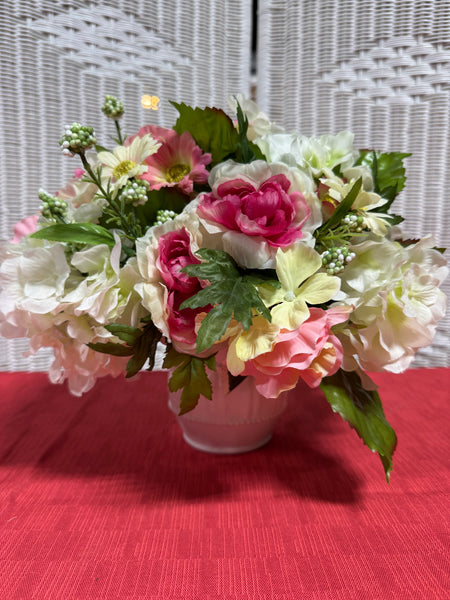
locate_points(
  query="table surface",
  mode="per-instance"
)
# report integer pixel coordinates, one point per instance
(100, 497)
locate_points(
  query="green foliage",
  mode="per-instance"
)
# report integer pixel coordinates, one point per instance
(231, 294)
(190, 376)
(112, 348)
(140, 344)
(343, 208)
(164, 199)
(213, 130)
(388, 173)
(246, 151)
(76, 233)
(364, 412)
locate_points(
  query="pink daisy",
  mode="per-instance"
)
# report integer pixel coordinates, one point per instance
(178, 162)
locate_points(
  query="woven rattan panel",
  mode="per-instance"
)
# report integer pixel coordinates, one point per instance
(380, 68)
(59, 58)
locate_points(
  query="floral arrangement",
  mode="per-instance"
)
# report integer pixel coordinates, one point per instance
(277, 251)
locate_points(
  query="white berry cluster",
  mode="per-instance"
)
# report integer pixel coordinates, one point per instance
(162, 216)
(112, 107)
(334, 259)
(77, 138)
(52, 208)
(354, 223)
(134, 192)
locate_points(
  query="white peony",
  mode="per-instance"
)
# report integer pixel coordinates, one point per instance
(397, 300)
(32, 277)
(106, 289)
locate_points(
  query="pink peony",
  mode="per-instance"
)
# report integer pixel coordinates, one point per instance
(309, 352)
(179, 162)
(268, 211)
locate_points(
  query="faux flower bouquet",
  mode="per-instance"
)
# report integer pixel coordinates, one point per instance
(276, 250)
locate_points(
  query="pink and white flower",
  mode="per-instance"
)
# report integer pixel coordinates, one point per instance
(179, 162)
(256, 208)
(161, 254)
(309, 352)
(24, 227)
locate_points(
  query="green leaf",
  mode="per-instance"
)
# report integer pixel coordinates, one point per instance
(364, 412)
(388, 173)
(211, 128)
(99, 148)
(230, 293)
(144, 347)
(77, 233)
(343, 208)
(125, 333)
(246, 151)
(140, 345)
(112, 348)
(218, 265)
(166, 198)
(190, 376)
(172, 358)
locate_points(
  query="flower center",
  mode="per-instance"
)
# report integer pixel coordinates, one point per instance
(123, 168)
(176, 173)
(289, 296)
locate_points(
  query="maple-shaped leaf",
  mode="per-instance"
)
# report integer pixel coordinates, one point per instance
(231, 293)
(190, 376)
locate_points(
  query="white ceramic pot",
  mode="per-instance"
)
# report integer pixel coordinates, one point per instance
(232, 422)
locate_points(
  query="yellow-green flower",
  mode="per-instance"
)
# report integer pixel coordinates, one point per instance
(246, 345)
(300, 285)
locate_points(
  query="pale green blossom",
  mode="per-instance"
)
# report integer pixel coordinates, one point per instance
(311, 155)
(300, 285)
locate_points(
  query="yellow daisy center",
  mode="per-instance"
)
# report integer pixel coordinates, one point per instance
(123, 168)
(175, 173)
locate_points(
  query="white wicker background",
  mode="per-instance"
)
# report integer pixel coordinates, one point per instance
(58, 59)
(380, 68)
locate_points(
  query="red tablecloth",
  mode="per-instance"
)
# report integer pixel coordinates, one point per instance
(101, 498)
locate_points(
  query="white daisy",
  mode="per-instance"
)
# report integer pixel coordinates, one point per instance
(125, 162)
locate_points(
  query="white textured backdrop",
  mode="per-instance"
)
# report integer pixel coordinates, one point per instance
(58, 59)
(380, 68)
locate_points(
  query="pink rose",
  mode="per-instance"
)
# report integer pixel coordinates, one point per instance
(174, 253)
(268, 211)
(311, 352)
(181, 323)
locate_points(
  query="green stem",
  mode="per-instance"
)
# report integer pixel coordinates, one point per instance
(128, 229)
(119, 132)
(94, 177)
